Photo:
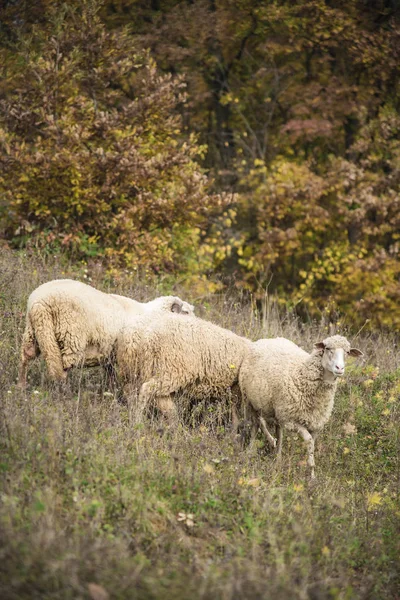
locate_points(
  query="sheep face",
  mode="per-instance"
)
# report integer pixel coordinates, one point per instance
(334, 351)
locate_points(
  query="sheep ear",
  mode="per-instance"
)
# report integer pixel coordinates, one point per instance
(188, 309)
(176, 307)
(319, 346)
(355, 352)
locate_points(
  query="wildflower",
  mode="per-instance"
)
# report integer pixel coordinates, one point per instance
(368, 382)
(373, 499)
(254, 482)
(209, 469)
(186, 518)
(349, 428)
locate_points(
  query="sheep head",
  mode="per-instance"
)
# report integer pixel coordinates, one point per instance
(174, 304)
(334, 351)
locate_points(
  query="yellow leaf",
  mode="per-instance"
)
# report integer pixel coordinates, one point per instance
(325, 551)
(207, 468)
(253, 482)
(349, 428)
(97, 592)
(373, 499)
(298, 487)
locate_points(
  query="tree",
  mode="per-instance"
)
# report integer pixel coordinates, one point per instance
(92, 152)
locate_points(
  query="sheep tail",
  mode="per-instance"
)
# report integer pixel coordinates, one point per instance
(43, 326)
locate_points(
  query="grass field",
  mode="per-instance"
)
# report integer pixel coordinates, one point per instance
(93, 506)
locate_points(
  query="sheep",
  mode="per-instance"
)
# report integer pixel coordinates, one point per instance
(71, 323)
(171, 354)
(284, 383)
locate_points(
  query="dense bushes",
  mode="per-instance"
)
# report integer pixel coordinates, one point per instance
(292, 107)
(92, 154)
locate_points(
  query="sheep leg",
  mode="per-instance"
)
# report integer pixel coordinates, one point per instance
(270, 438)
(154, 388)
(251, 414)
(27, 354)
(280, 440)
(74, 357)
(110, 376)
(235, 420)
(168, 408)
(146, 395)
(309, 440)
(245, 427)
(129, 394)
(29, 351)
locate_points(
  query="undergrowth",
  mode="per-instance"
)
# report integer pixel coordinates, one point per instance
(93, 506)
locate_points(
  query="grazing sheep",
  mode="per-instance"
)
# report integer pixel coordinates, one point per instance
(71, 323)
(172, 354)
(284, 383)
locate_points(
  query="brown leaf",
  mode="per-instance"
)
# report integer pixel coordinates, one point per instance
(97, 592)
(349, 428)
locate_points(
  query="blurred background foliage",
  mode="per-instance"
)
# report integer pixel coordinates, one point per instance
(210, 142)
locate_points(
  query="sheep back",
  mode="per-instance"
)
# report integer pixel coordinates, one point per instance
(265, 367)
(85, 320)
(191, 354)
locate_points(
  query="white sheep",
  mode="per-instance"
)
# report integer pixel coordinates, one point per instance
(284, 383)
(171, 354)
(73, 324)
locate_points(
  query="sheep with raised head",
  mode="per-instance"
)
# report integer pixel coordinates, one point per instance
(73, 324)
(158, 358)
(284, 383)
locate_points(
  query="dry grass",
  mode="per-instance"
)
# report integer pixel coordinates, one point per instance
(88, 498)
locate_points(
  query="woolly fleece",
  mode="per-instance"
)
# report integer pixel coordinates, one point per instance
(282, 381)
(174, 354)
(71, 323)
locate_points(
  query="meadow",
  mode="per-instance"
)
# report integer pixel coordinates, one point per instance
(93, 506)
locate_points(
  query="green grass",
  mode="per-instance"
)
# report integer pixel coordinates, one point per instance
(87, 497)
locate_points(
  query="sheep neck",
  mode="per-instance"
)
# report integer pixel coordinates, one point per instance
(311, 381)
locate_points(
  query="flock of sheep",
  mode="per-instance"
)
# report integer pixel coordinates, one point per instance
(160, 348)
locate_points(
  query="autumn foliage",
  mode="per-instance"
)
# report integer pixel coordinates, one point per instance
(245, 142)
(92, 155)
